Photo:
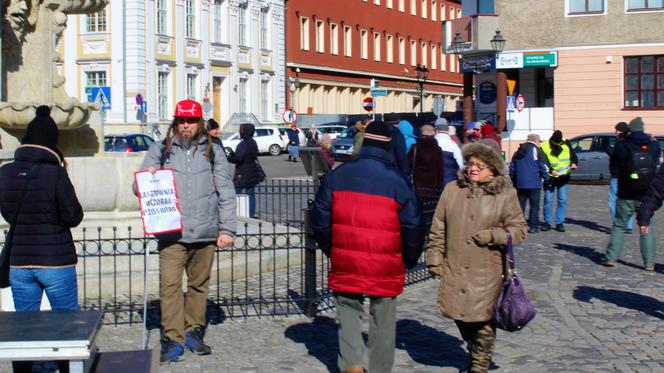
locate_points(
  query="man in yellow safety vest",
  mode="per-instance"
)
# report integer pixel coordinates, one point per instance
(562, 160)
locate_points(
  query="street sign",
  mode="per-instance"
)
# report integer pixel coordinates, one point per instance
(289, 117)
(520, 60)
(437, 106)
(379, 92)
(478, 63)
(102, 96)
(368, 104)
(488, 92)
(520, 103)
(510, 86)
(511, 104)
(373, 84)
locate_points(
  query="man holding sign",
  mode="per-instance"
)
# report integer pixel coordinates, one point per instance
(204, 195)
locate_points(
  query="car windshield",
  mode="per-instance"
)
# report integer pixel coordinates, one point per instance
(347, 133)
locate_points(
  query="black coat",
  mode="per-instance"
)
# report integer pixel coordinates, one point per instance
(620, 158)
(50, 208)
(247, 174)
(398, 149)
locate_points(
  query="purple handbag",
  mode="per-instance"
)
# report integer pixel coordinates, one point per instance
(513, 309)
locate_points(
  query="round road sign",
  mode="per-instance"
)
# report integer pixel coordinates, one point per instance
(520, 103)
(289, 116)
(368, 104)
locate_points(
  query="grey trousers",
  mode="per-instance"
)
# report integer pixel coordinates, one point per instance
(382, 332)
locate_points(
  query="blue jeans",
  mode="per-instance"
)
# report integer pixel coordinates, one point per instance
(28, 285)
(251, 192)
(561, 209)
(613, 196)
(531, 196)
(294, 150)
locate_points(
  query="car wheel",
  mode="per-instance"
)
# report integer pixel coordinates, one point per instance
(228, 151)
(274, 149)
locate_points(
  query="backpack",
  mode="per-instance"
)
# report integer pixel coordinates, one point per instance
(165, 158)
(640, 168)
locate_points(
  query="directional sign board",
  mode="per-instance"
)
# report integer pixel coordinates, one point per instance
(289, 116)
(368, 104)
(102, 96)
(511, 104)
(379, 92)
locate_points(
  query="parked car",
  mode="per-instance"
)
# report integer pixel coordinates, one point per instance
(302, 136)
(268, 138)
(127, 143)
(592, 150)
(332, 129)
(342, 146)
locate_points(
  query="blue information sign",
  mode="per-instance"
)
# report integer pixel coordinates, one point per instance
(102, 96)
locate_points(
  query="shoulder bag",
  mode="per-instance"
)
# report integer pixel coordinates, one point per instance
(513, 309)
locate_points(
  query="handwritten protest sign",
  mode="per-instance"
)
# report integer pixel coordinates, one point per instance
(157, 195)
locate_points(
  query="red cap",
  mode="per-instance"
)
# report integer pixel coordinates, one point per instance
(188, 109)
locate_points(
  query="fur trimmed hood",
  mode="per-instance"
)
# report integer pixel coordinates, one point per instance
(487, 154)
(496, 185)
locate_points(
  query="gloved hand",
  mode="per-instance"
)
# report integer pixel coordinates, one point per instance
(483, 237)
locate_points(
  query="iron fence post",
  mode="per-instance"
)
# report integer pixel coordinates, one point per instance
(310, 304)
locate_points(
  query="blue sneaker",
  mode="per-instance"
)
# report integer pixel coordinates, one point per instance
(194, 342)
(170, 351)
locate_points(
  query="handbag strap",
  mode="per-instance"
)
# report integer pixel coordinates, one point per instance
(509, 252)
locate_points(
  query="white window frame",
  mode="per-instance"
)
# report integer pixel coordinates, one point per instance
(264, 22)
(413, 53)
(568, 12)
(364, 44)
(320, 37)
(443, 15)
(402, 51)
(217, 21)
(265, 98)
(402, 5)
(376, 2)
(641, 10)
(434, 57)
(304, 33)
(389, 45)
(97, 22)
(163, 94)
(413, 7)
(453, 63)
(242, 95)
(434, 9)
(190, 28)
(96, 78)
(163, 17)
(334, 39)
(242, 38)
(377, 49)
(389, 4)
(443, 59)
(191, 86)
(425, 5)
(348, 41)
(424, 49)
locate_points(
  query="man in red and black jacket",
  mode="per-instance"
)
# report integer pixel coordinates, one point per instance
(367, 219)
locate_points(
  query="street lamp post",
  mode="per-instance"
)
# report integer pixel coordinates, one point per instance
(421, 74)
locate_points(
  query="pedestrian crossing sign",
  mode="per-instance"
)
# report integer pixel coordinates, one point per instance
(511, 104)
(101, 96)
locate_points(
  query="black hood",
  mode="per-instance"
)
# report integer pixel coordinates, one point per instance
(639, 138)
(247, 131)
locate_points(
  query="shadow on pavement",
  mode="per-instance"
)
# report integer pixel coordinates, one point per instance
(589, 224)
(430, 346)
(320, 337)
(587, 252)
(625, 299)
(214, 315)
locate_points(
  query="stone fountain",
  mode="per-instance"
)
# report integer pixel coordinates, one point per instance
(31, 30)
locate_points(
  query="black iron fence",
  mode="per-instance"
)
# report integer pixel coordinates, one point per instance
(282, 201)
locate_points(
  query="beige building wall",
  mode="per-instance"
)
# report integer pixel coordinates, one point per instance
(542, 24)
(588, 90)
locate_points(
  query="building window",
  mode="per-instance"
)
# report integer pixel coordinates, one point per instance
(162, 95)
(443, 16)
(348, 41)
(388, 3)
(443, 59)
(453, 63)
(413, 53)
(434, 8)
(95, 78)
(413, 7)
(364, 44)
(265, 41)
(304, 33)
(376, 46)
(162, 17)
(402, 51)
(402, 6)
(97, 21)
(424, 8)
(191, 86)
(217, 21)
(390, 48)
(376, 2)
(265, 96)
(320, 37)
(644, 82)
(434, 57)
(190, 19)
(452, 13)
(242, 26)
(242, 95)
(586, 6)
(424, 49)
(458, 13)
(334, 39)
(645, 4)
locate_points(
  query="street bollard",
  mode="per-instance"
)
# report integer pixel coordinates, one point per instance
(310, 304)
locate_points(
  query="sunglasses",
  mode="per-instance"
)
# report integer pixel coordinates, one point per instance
(190, 120)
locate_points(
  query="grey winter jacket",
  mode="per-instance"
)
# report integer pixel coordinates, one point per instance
(206, 196)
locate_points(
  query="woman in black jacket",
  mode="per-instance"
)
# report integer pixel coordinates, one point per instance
(248, 172)
(37, 197)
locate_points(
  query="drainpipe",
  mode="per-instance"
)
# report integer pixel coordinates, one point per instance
(286, 85)
(124, 60)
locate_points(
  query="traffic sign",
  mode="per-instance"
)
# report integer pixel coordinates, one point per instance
(520, 103)
(102, 96)
(437, 106)
(368, 104)
(379, 92)
(511, 104)
(289, 117)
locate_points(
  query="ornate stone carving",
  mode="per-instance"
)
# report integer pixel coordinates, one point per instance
(31, 30)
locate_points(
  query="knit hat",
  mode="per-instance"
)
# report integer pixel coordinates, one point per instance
(636, 125)
(212, 124)
(557, 137)
(377, 134)
(622, 127)
(42, 130)
(441, 124)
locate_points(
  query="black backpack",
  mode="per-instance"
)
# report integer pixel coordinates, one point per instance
(641, 166)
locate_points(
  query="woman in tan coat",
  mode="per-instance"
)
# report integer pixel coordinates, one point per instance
(466, 244)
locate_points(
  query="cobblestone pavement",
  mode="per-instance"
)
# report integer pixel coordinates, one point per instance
(590, 318)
